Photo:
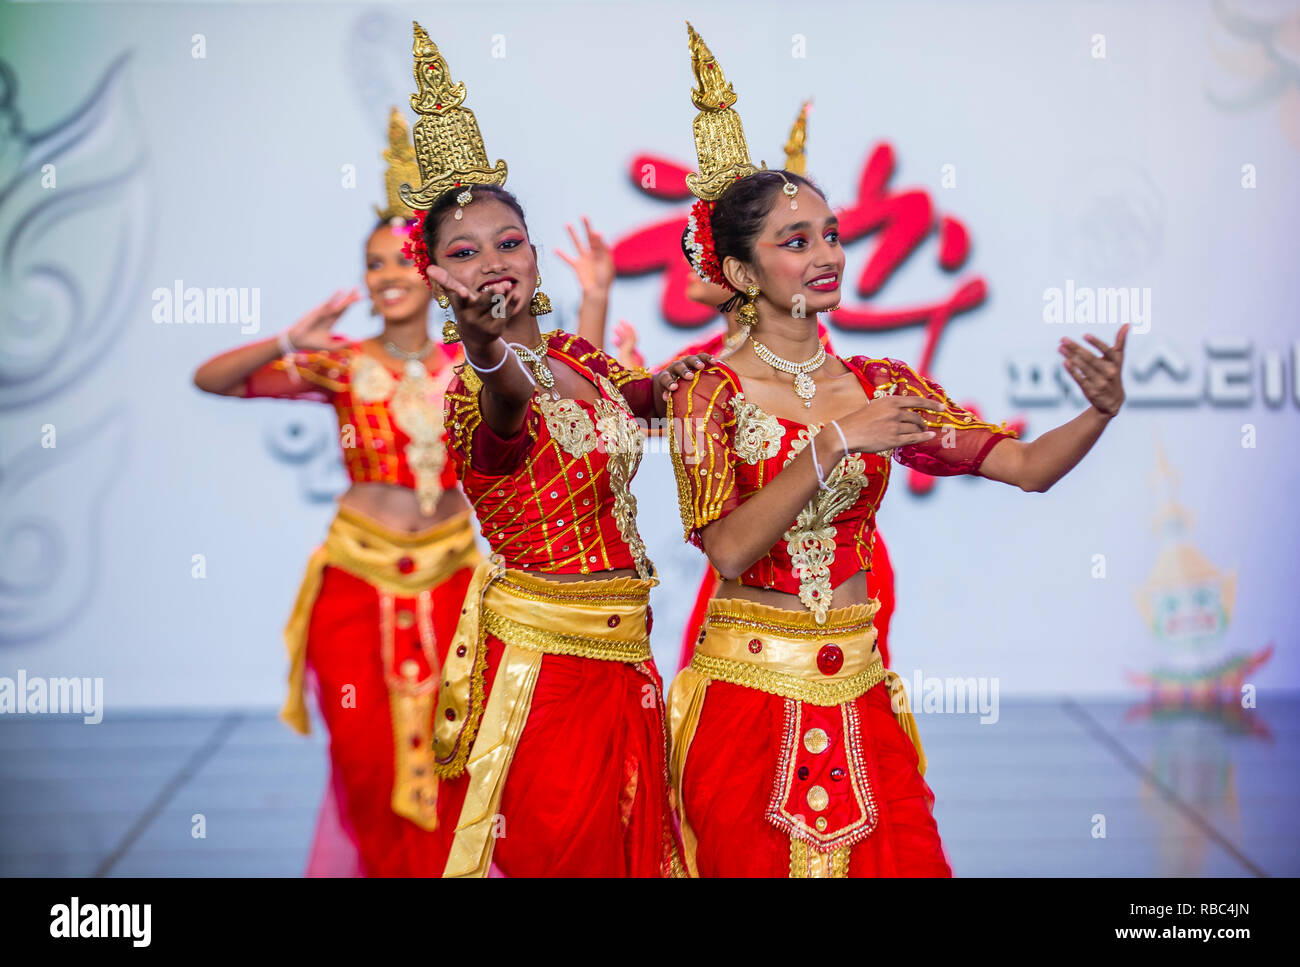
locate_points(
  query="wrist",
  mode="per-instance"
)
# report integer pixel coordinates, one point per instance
(284, 341)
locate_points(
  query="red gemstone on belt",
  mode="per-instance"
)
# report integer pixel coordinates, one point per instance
(460, 651)
(649, 619)
(755, 646)
(830, 659)
(613, 621)
(405, 565)
(451, 714)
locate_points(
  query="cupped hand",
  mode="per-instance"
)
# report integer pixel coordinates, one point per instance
(1099, 377)
(315, 329)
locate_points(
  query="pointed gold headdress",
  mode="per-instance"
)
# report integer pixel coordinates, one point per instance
(796, 159)
(402, 169)
(719, 137)
(448, 146)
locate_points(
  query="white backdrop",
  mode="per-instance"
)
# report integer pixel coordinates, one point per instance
(1151, 147)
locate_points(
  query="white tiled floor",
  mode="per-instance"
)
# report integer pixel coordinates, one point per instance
(1185, 796)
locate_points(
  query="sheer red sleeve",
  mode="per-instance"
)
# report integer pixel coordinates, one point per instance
(962, 440)
(473, 444)
(314, 375)
(703, 449)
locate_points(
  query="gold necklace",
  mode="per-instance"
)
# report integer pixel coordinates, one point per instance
(804, 385)
(536, 358)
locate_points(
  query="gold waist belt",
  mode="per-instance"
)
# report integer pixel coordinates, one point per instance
(605, 620)
(788, 653)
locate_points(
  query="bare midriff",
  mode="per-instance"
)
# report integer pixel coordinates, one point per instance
(853, 590)
(398, 508)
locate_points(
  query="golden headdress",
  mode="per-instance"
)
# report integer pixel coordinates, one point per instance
(796, 160)
(719, 137)
(402, 169)
(448, 146)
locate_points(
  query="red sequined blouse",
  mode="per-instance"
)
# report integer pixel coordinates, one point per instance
(555, 497)
(390, 421)
(726, 449)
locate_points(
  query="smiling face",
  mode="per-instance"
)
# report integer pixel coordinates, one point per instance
(797, 258)
(488, 244)
(395, 286)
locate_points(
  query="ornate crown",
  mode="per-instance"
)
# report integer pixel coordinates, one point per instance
(402, 169)
(448, 146)
(796, 160)
(719, 137)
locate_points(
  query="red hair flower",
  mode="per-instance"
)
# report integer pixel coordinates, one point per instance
(699, 245)
(414, 248)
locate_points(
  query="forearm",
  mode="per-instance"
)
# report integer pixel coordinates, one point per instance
(226, 374)
(1037, 465)
(507, 388)
(592, 315)
(745, 535)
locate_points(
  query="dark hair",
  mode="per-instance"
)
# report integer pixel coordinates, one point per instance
(738, 216)
(446, 203)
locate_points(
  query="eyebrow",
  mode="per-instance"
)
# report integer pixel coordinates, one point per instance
(804, 225)
(499, 231)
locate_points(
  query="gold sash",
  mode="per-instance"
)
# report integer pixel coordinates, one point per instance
(395, 564)
(603, 619)
(776, 651)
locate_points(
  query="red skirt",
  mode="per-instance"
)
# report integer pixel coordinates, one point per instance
(586, 793)
(731, 769)
(344, 652)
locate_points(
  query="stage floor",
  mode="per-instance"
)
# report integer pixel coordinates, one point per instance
(1180, 793)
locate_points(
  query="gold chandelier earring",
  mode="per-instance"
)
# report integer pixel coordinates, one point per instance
(450, 334)
(747, 314)
(541, 303)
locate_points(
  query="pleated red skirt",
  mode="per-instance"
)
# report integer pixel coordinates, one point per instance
(586, 793)
(344, 652)
(730, 770)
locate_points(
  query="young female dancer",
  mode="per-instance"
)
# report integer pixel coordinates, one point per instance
(550, 726)
(782, 457)
(593, 264)
(382, 595)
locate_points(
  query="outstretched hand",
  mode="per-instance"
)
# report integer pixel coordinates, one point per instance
(315, 329)
(480, 316)
(594, 263)
(1099, 377)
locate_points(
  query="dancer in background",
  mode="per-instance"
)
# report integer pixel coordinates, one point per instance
(382, 595)
(550, 730)
(593, 264)
(794, 749)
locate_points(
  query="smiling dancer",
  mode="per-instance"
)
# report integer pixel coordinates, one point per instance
(382, 595)
(551, 733)
(794, 750)
(593, 264)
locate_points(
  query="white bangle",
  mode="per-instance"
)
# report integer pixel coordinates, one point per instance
(821, 481)
(492, 369)
(285, 342)
(843, 442)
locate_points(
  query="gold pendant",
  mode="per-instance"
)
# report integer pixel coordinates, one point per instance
(805, 388)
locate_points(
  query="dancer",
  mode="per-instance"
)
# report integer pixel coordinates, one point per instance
(382, 595)
(550, 729)
(593, 264)
(782, 458)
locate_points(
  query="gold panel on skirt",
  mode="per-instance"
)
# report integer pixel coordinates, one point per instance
(776, 651)
(396, 565)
